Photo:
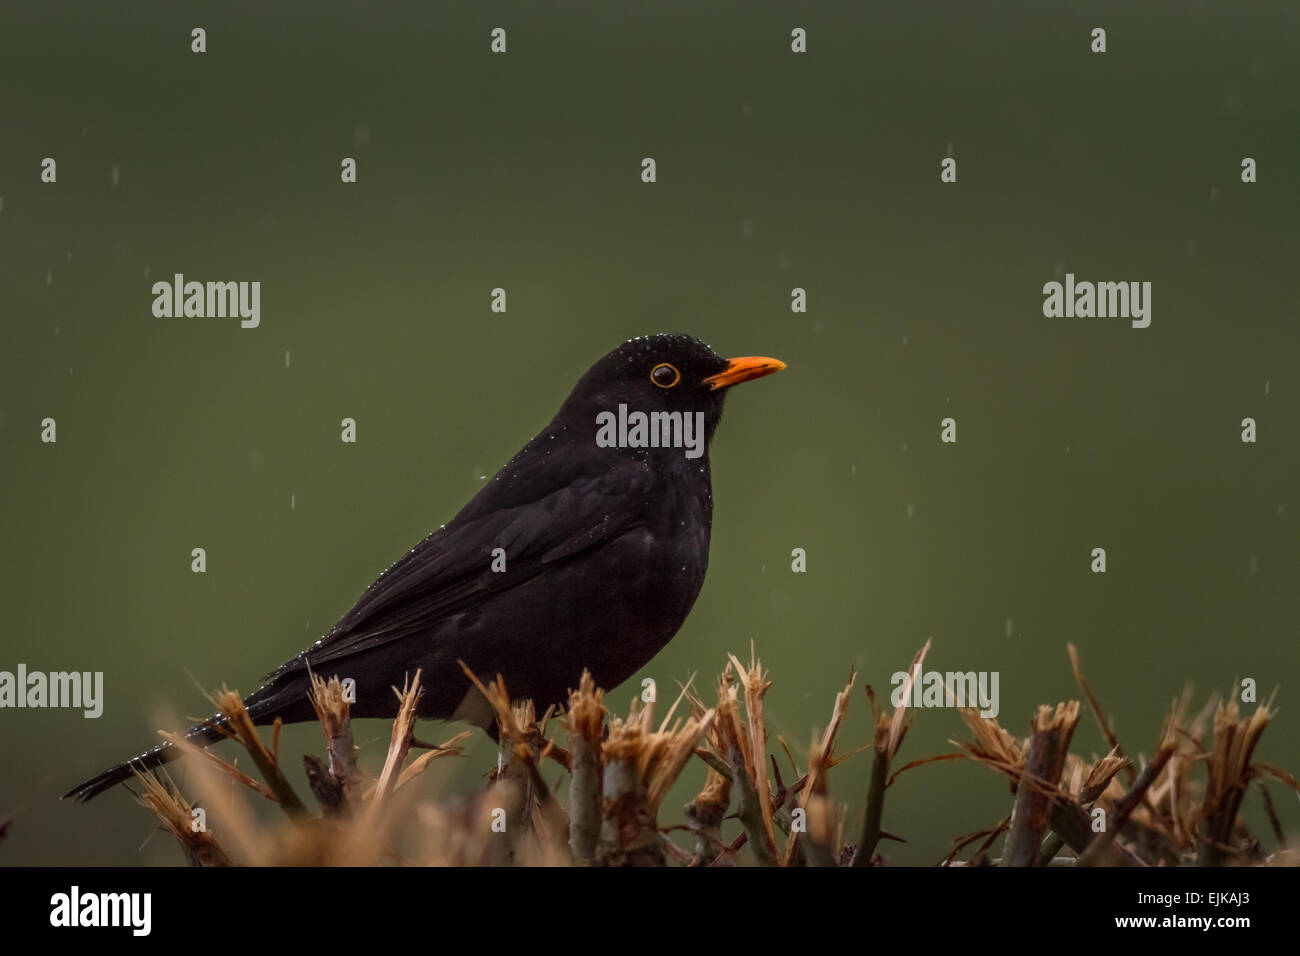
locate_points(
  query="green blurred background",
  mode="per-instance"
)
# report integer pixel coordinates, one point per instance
(774, 171)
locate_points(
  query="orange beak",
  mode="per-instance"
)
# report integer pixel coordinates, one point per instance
(742, 370)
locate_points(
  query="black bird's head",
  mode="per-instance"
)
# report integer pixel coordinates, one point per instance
(670, 373)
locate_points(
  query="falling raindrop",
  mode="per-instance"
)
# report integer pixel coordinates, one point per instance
(49, 277)
(292, 499)
(1009, 622)
(1267, 382)
(286, 358)
(116, 176)
(1254, 564)
(910, 509)
(747, 229)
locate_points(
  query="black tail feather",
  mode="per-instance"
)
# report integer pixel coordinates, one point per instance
(285, 697)
(200, 734)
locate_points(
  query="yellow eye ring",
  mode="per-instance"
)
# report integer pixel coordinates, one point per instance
(660, 375)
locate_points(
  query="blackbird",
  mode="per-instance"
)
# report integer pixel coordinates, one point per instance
(586, 551)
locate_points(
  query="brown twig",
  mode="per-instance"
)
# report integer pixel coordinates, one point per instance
(890, 731)
(821, 757)
(1230, 772)
(1127, 804)
(399, 745)
(1278, 833)
(232, 708)
(1051, 731)
(335, 716)
(585, 723)
(177, 816)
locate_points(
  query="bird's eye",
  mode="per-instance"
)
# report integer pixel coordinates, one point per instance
(665, 375)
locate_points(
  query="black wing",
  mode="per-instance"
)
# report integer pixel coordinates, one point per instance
(538, 510)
